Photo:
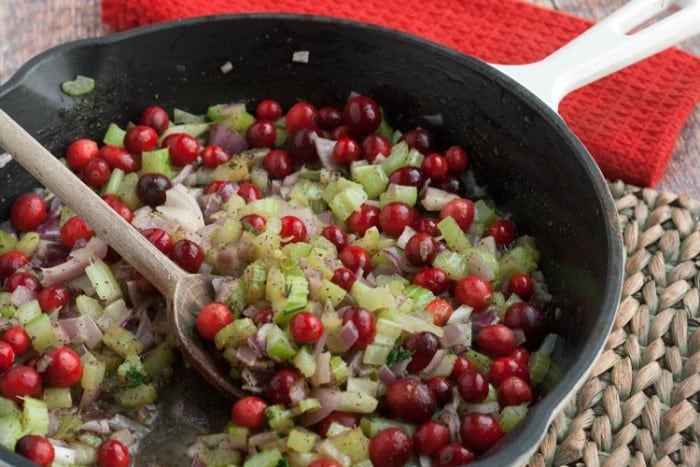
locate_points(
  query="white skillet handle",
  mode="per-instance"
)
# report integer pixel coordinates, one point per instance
(608, 46)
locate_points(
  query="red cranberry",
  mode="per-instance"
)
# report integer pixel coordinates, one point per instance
(268, 110)
(151, 189)
(7, 356)
(362, 115)
(301, 144)
(118, 158)
(390, 447)
(433, 279)
(504, 367)
(427, 225)
(53, 297)
(480, 432)
(160, 238)
(421, 249)
(325, 463)
(263, 316)
(462, 364)
(300, 115)
(280, 388)
(396, 216)
(212, 318)
(18, 339)
(10, 262)
(64, 368)
(346, 151)
(514, 391)
(122, 209)
(496, 340)
(344, 278)
(529, 318)
(365, 324)
(213, 156)
(36, 448)
(139, 139)
(113, 453)
(336, 236)
(453, 455)
(450, 184)
(340, 132)
(456, 160)
(155, 117)
(20, 381)
(441, 310)
(434, 166)
(430, 437)
(80, 152)
(421, 140)
(261, 134)
(329, 118)
(356, 259)
(441, 389)
(502, 231)
(293, 229)
(409, 176)
(423, 346)
(306, 327)
(364, 218)
(278, 163)
(96, 173)
(182, 148)
(75, 229)
(28, 211)
(249, 412)
(473, 386)
(461, 210)
(374, 145)
(348, 419)
(475, 292)
(22, 279)
(521, 285)
(521, 355)
(249, 192)
(188, 255)
(411, 400)
(254, 221)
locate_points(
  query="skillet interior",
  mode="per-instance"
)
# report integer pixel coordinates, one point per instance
(532, 163)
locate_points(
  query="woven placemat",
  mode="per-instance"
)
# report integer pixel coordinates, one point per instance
(640, 405)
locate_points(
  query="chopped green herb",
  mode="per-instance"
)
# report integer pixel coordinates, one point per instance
(247, 226)
(398, 353)
(79, 86)
(134, 378)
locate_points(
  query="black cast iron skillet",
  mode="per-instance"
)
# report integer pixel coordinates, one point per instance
(532, 163)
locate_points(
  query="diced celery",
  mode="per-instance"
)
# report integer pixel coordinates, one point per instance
(387, 332)
(445, 367)
(301, 440)
(339, 369)
(267, 458)
(93, 371)
(484, 216)
(369, 241)
(238, 434)
(229, 232)
(131, 370)
(330, 291)
(193, 129)
(412, 323)
(297, 250)
(236, 301)
(353, 443)
(453, 234)
(259, 178)
(318, 255)
(233, 115)
(274, 289)
(41, 333)
(114, 136)
(182, 116)
(221, 455)
(306, 191)
(279, 418)
(479, 360)
(27, 312)
(28, 244)
(114, 182)
(487, 257)
(511, 415)
(420, 296)
(376, 355)
(305, 362)
(397, 158)
(234, 170)
(65, 214)
(414, 158)
(112, 313)
(365, 385)
(88, 306)
(57, 398)
(265, 207)
(35, 416)
(156, 162)
(328, 450)
(7, 242)
(539, 366)
(372, 298)
(254, 277)
(453, 263)
(403, 193)
(370, 426)
(9, 407)
(10, 431)
(235, 333)
(159, 359)
(277, 344)
(296, 289)
(122, 341)
(372, 178)
(136, 396)
(357, 402)
(347, 201)
(127, 191)
(384, 129)
(103, 280)
(516, 261)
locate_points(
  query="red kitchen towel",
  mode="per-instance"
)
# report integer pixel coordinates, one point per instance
(629, 121)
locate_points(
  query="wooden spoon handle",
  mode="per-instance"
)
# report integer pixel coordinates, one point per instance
(107, 224)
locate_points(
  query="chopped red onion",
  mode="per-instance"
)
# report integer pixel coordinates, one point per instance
(22, 295)
(326, 217)
(519, 336)
(304, 214)
(197, 462)
(483, 319)
(400, 368)
(348, 334)
(320, 345)
(96, 426)
(457, 334)
(434, 199)
(461, 314)
(399, 261)
(450, 417)
(291, 180)
(488, 244)
(232, 142)
(260, 440)
(181, 207)
(330, 400)
(89, 397)
(75, 266)
(145, 218)
(406, 235)
(246, 354)
(484, 407)
(185, 172)
(478, 267)
(62, 454)
(49, 229)
(125, 436)
(323, 369)
(82, 329)
(438, 356)
(425, 461)
(385, 375)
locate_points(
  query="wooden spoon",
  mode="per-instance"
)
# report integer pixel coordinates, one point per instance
(185, 293)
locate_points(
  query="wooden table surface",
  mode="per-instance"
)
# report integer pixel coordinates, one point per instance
(65, 20)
